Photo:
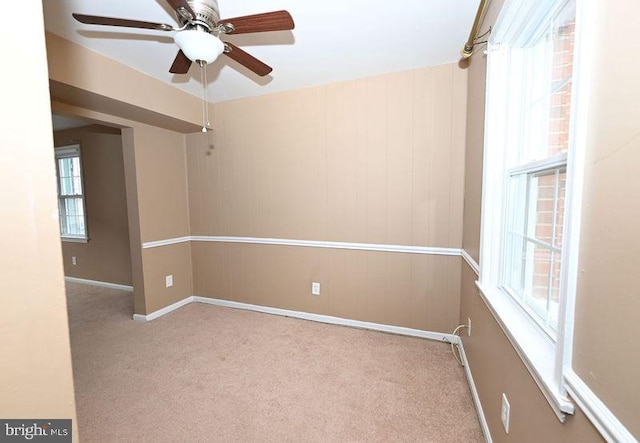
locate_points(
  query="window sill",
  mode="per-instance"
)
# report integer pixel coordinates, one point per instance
(75, 239)
(537, 351)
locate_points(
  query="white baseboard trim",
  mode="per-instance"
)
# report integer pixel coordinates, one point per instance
(474, 394)
(160, 312)
(103, 284)
(400, 330)
(602, 418)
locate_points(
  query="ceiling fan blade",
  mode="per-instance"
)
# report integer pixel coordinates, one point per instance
(181, 7)
(247, 60)
(181, 64)
(111, 21)
(269, 21)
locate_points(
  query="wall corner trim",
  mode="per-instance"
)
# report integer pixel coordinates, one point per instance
(471, 262)
(602, 418)
(474, 394)
(103, 284)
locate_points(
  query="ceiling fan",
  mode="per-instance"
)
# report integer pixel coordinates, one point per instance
(198, 36)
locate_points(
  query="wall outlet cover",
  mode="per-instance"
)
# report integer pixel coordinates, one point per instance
(505, 412)
(315, 288)
(169, 281)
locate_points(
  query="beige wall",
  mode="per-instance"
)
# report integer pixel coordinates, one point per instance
(85, 78)
(35, 369)
(414, 291)
(605, 351)
(106, 257)
(376, 160)
(157, 207)
(162, 183)
(497, 369)
(152, 116)
(160, 160)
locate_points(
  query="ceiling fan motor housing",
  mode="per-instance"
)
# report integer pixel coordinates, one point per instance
(207, 12)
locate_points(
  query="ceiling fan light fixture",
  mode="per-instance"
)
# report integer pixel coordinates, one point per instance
(199, 45)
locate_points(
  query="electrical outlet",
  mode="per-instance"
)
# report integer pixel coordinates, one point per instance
(505, 412)
(168, 280)
(315, 288)
(469, 326)
(74, 261)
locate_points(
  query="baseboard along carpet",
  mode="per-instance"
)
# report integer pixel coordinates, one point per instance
(208, 373)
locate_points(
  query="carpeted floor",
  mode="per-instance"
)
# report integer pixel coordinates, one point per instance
(206, 373)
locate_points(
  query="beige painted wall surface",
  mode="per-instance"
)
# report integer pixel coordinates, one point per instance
(157, 207)
(497, 369)
(160, 262)
(36, 379)
(411, 290)
(375, 160)
(476, 68)
(606, 349)
(79, 74)
(106, 257)
(133, 213)
(162, 183)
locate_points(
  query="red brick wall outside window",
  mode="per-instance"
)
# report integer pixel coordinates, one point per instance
(546, 272)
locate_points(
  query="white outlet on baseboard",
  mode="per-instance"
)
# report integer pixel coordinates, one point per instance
(469, 326)
(74, 261)
(315, 288)
(169, 281)
(505, 412)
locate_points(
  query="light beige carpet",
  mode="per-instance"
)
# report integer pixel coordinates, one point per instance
(206, 373)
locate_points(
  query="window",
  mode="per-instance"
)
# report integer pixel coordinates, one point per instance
(536, 167)
(529, 231)
(71, 207)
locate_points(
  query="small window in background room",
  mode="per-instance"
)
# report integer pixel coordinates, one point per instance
(71, 206)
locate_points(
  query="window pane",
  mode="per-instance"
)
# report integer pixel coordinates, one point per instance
(546, 90)
(531, 270)
(72, 217)
(70, 179)
(543, 203)
(516, 228)
(560, 206)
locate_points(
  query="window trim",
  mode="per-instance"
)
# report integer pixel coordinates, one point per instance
(547, 362)
(65, 151)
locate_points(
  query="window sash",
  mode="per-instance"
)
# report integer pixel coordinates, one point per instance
(525, 272)
(71, 202)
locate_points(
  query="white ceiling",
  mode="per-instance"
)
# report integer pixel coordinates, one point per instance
(333, 40)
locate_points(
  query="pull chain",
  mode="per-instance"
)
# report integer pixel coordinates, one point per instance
(205, 108)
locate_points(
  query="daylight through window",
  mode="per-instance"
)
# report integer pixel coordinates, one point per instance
(71, 205)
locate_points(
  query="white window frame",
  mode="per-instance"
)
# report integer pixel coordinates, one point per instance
(545, 359)
(67, 151)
